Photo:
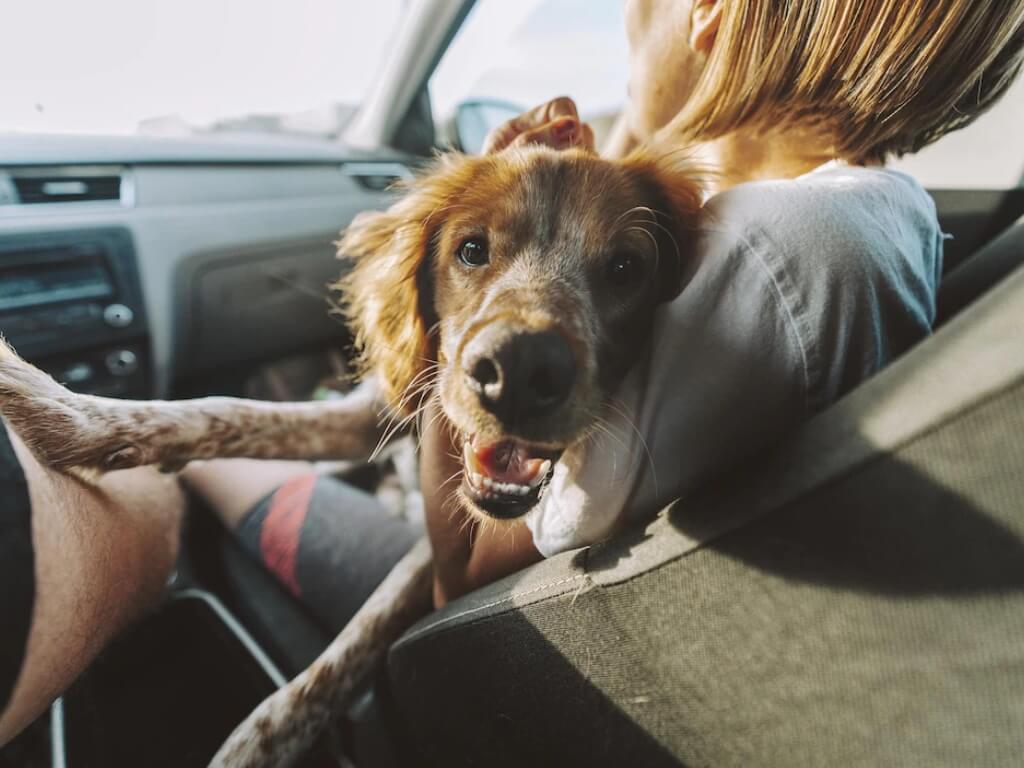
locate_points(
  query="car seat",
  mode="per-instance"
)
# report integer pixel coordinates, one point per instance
(857, 598)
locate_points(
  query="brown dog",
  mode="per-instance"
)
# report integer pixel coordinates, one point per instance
(517, 288)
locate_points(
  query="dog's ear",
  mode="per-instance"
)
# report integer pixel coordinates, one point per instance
(674, 186)
(388, 295)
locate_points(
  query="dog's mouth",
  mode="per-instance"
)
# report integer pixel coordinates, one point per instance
(505, 478)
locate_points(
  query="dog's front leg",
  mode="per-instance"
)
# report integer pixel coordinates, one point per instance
(66, 430)
(283, 728)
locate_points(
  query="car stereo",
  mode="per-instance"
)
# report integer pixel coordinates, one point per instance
(71, 303)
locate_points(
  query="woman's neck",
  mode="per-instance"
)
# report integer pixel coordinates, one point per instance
(744, 156)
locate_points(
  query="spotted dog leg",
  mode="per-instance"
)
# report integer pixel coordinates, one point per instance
(283, 728)
(67, 431)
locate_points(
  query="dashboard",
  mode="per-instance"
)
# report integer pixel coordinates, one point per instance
(128, 264)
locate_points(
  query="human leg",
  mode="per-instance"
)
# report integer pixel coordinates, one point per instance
(101, 554)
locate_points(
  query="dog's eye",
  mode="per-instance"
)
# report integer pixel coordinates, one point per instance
(624, 269)
(473, 253)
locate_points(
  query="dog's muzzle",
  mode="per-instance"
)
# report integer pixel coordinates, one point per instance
(522, 378)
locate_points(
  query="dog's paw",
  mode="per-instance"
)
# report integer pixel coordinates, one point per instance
(46, 416)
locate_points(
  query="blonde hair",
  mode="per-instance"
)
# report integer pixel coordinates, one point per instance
(882, 77)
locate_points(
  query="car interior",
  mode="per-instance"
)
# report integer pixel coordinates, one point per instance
(794, 610)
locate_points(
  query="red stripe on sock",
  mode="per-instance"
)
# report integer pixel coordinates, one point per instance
(279, 536)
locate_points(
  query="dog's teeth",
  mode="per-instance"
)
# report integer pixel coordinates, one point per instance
(470, 460)
(542, 472)
(487, 482)
(475, 479)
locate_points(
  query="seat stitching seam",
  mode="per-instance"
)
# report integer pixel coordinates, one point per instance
(478, 608)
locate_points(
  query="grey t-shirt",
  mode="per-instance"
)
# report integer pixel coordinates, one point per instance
(803, 288)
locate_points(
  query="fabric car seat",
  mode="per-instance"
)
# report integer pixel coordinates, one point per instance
(855, 598)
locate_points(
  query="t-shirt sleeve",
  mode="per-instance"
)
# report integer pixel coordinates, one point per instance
(725, 376)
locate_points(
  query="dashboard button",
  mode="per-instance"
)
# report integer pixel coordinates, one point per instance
(118, 316)
(123, 362)
(77, 373)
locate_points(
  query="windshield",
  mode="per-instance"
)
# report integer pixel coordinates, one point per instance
(178, 67)
(526, 52)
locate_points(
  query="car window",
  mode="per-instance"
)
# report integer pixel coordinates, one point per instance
(518, 54)
(184, 66)
(988, 154)
(511, 56)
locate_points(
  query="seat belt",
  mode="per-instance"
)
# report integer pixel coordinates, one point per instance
(976, 275)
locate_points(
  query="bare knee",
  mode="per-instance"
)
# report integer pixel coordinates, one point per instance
(231, 487)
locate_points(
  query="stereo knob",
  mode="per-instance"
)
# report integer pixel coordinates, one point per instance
(123, 362)
(118, 316)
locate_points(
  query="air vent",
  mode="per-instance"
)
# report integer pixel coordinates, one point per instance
(67, 189)
(33, 186)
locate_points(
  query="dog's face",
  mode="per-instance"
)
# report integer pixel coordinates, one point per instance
(530, 277)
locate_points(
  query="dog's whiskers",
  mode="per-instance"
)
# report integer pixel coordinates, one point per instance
(426, 380)
(418, 378)
(651, 237)
(621, 411)
(635, 209)
(670, 236)
(390, 432)
(653, 218)
(419, 392)
(601, 427)
(436, 398)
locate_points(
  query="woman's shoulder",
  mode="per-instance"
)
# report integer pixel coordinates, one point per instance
(851, 255)
(854, 209)
(837, 230)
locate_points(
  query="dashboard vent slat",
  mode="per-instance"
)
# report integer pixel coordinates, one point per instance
(66, 189)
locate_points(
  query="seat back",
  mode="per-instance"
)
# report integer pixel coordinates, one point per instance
(856, 599)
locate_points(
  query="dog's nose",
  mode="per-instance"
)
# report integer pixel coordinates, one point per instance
(522, 376)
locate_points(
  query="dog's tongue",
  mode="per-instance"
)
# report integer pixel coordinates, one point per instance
(505, 461)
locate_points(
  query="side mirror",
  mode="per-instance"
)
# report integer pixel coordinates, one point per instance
(474, 119)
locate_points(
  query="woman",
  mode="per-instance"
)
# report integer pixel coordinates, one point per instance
(817, 267)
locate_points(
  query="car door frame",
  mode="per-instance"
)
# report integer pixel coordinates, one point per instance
(398, 112)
